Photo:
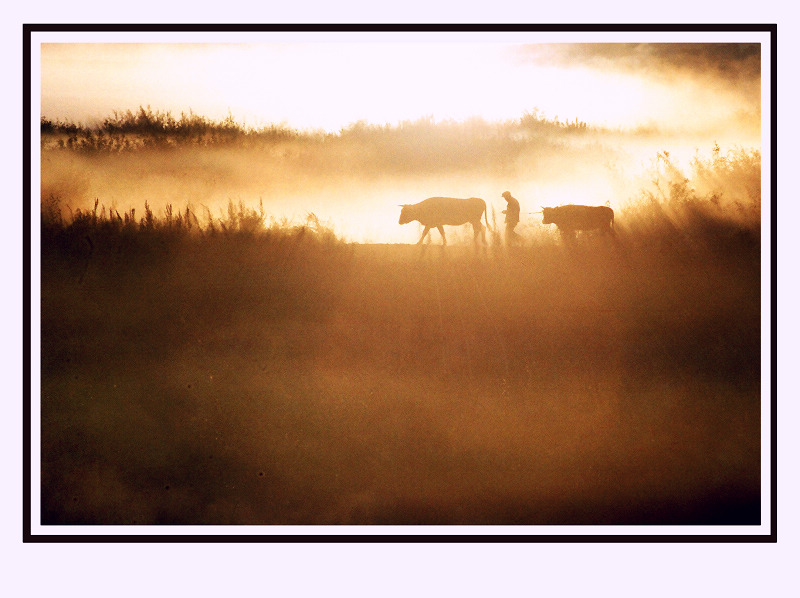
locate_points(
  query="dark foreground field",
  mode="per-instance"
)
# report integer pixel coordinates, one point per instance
(288, 379)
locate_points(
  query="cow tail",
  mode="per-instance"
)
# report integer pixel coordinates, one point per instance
(486, 217)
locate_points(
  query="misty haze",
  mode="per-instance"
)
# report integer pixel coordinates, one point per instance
(236, 328)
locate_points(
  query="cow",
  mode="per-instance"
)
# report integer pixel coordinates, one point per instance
(572, 218)
(452, 211)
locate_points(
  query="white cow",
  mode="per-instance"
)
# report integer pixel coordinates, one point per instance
(452, 211)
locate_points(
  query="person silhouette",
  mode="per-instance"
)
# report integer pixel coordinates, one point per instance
(512, 218)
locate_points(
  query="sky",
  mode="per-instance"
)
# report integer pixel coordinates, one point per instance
(329, 82)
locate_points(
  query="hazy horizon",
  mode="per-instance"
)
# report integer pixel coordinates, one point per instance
(669, 87)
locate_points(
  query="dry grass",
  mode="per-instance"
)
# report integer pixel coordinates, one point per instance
(284, 377)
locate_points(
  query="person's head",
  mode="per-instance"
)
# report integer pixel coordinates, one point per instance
(506, 195)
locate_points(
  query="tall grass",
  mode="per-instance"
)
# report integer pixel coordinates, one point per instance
(716, 202)
(107, 226)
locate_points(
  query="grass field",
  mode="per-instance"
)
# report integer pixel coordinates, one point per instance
(285, 377)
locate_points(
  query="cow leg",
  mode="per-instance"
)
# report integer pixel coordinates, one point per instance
(425, 232)
(478, 229)
(441, 232)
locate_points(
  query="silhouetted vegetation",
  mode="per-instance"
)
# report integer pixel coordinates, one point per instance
(148, 128)
(718, 203)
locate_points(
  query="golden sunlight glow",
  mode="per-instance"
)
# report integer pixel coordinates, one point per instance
(633, 113)
(332, 85)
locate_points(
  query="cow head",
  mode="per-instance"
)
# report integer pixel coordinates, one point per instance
(547, 215)
(405, 214)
